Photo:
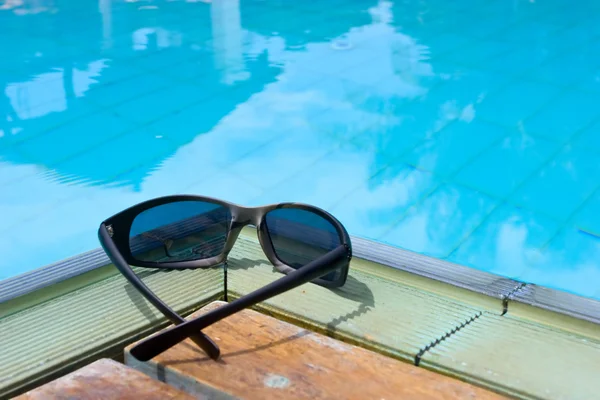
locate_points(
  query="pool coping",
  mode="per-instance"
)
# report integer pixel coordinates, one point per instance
(492, 285)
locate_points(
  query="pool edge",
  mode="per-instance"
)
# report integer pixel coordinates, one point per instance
(509, 291)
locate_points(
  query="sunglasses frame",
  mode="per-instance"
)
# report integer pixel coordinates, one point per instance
(114, 238)
(118, 228)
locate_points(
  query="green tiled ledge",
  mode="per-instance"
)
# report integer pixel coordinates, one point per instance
(381, 314)
(449, 329)
(518, 357)
(97, 318)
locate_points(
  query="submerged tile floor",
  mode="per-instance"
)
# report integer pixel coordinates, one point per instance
(467, 130)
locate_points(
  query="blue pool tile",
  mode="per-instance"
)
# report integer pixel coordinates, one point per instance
(517, 101)
(563, 71)
(507, 243)
(20, 204)
(561, 186)
(563, 15)
(569, 263)
(564, 116)
(227, 186)
(482, 28)
(587, 218)
(133, 149)
(391, 140)
(73, 138)
(589, 49)
(112, 71)
(182, 127)
(219, 48)
(519, 60)
(479, 52)
(589, 57)
(311, 7)
(501, 168)
(248, 129)
(194, 68)
(589, 81)
(163, 102)
(266, 165)
(164, 177)
(527, 30)
(418, 31)
(351, 64)
(131, 88)
(464, 85)
(345, 119)
(362, 73)
(15, 166)
(122, 49)
(445, 42)
(297, 82)
(336, 94)
(584, 27)
(393, 134)
(450, 149)
(43, 89)
(589, 139)
(326, 181)
(42, 119)
(162, 59)
(438, 224)
(383, 199)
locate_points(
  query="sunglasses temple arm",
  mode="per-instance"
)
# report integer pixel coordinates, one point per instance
(202, 340)
(151, 347)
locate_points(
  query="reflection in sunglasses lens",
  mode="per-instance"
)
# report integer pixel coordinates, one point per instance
(300, 236)
(179, 231)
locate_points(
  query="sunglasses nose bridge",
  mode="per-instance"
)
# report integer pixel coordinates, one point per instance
(246, 216)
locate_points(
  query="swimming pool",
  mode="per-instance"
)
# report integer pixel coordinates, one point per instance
(466, 130)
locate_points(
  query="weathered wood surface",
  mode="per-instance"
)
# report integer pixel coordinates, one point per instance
(105, 379)
(264, 358)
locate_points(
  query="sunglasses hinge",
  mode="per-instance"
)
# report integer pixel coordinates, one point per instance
(349, 251)
(110, 231)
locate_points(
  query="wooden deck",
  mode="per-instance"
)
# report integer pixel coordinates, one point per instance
(107, 380)
(265, 358)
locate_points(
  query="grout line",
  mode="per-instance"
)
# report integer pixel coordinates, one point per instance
(444, 337)
(581, 206)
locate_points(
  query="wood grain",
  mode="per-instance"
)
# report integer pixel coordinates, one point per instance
(264, 358)
(105, 380)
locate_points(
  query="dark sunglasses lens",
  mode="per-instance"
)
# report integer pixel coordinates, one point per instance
(179, 231)
(300, 236)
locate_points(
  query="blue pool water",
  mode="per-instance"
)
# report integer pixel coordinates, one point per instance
(467, 130)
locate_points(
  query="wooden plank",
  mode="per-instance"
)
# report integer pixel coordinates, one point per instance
(105, 379)
(265, 358)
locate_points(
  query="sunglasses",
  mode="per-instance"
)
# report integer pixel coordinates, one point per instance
(189, 232)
